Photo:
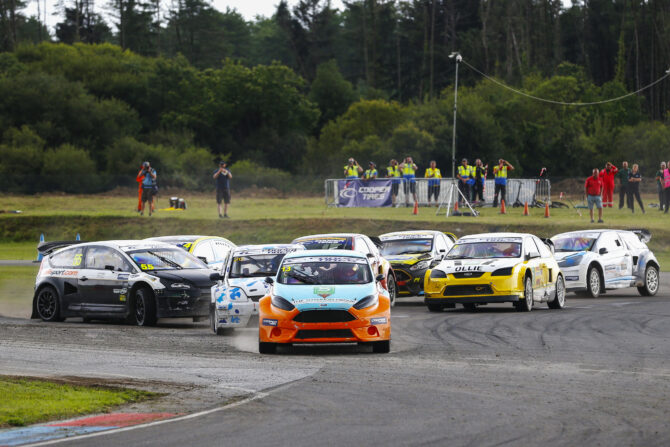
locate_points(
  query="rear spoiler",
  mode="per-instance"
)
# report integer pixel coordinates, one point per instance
(452, 236)
(643, 234)
(46, 248)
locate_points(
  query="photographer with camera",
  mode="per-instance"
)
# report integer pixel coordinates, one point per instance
(222, 178)
(408, 169)
(149, 186)
(352, 169)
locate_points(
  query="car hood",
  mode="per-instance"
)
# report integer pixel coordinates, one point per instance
(250, 286)
(560, 255)
(409, 259)
(476, 265)
(321, 297)
(199, 277)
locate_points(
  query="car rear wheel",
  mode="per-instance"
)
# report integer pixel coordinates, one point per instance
(593, 282)
(650, 282)
(559, 297)
(526, 305)
(435, 307)
(267, 348)
(144, 307)
(381, 347)
(47, 305)
(392, 289)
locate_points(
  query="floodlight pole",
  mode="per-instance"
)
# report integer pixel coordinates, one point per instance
(457, 57)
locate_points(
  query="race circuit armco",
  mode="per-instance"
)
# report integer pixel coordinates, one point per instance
(595, 373)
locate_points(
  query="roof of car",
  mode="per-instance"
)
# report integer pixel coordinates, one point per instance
(127, 244)
(589, 230)
(494, 236)
(326, 253)
(186, 238)
(328, 235)
(267, 248)
(403, 234)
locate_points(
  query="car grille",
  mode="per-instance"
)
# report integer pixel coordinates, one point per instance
(467, 274)
(328, 333)
(324, 316)
(402, 276)
(475, 289)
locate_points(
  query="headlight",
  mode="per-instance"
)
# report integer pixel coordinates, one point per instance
(281, 303)
(436, 274)
(507, 271)
(421, 265)
(368, 301)
(179, 285)
(572, 260)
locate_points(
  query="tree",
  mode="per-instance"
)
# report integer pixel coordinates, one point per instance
(331, 92)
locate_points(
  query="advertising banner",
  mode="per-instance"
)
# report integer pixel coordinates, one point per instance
(359, 193)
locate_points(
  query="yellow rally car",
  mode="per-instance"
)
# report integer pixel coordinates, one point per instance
(496, 268)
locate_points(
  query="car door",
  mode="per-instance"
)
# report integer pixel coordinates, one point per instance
(634, 249)
(66, 269)
(106, 279)
(546, 264)
(617, 263)
(534, 264)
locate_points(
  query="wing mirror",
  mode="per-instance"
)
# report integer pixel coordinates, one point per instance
(379, 278)
(269, 280)
(216, 276)
(109, 267)
(530, 256)
(603, 251)
(370, 256)
(203, 259)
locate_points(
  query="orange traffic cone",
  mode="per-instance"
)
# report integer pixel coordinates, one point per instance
(525, 209)
(546, 210)
(502, 207)
(416, 208)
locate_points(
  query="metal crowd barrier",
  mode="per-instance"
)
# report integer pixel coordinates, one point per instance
(518, 191)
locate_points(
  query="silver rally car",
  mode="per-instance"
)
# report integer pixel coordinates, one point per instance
(594, 261)
(136, 281)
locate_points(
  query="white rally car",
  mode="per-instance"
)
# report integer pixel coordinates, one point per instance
(596, 260)
(241, 283)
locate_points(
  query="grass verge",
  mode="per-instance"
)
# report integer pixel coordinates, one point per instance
(28, 401)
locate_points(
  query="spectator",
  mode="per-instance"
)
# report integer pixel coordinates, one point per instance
(607, 176)
(660, 186)
(623, 183)
(408, 169)
(634, 180)
(479, 176)
(149, 186)
(140, 179)
(433, 175)
(666, 186)
(393, 172)
(500, 174)
(371, 172)
(352, 169)
(593, 188)
(463, 175)
(222, 178)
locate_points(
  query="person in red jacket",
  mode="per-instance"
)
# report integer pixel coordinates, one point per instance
(140, 179)
(607, 176)
(593, 188)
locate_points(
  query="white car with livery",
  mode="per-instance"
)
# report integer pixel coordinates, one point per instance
(135, 281)
(241, 283)
(594, 261)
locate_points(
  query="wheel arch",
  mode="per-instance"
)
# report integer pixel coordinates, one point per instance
(140, 285)
(601, 271)
(48, 283)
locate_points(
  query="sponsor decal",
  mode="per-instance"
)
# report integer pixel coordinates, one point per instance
(300, 260)
(468, 268)
(269, 322)
(122, 298)
(122, 291)
(379, 320)
(123, 276)
(324, 292)
(318, 300)
(64, 272)
(572, 278)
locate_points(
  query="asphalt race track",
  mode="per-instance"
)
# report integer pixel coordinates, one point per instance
(595, 373)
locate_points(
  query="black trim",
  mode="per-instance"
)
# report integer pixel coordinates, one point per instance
(473, 299)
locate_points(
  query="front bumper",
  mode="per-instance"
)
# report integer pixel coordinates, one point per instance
(485, 289)
(484, 299)
(409, 282)
(178, 304)
(233, 313)
(575, 278)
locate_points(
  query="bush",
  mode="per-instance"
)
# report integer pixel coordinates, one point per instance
(70, 169)
(247, 173)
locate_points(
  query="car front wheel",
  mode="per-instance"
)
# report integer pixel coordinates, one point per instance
(593, 282)
(392, 289)
(559, 297)
(144, 307)
(650, 282)
(526, 305)
(267, 348)
(435, 307)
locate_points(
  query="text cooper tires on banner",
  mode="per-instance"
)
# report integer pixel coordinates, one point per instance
(361, 193)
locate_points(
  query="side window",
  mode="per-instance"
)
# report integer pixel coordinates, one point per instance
(105, 258)
(71, 258)
(361, 246)
(531, 249)
(610, 241)
(545, 252)
(440, 244)
(203, 250)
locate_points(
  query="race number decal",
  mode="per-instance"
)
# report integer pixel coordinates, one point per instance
(286, 268)
(147, 266)
(77, 260)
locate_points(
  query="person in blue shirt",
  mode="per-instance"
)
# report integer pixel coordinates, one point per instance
(222, 178)
(149, 186)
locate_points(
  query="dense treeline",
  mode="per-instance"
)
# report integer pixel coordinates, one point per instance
(293, 95)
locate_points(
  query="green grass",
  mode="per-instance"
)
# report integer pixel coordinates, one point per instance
(26, 250)
(27, 401)
(16, 290)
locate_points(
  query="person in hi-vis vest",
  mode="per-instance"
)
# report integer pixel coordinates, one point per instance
(371, 172)
(434, 176)
(408, 169)
(352, 169)
(500, 174)
(463, 175)
(393, 172)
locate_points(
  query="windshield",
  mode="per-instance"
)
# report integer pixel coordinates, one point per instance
(248, 266)
(479, 250)
(165, 259)
(327, 270)
(331, 243)
(574, 243)
(406, 246)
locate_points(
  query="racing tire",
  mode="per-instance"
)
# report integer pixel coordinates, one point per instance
(47, 305)
(212, 323)
(526, 305)
(144, 307)
(381, 347)
(559, 297)
(593, 282)
(267, 348)
(650, 287)
(392, 288)
(435, 307)
(470, 307)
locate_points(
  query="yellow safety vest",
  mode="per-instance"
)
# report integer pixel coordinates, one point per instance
(408, 169)
(464, 171)
(501, 172)
(369, 173)
(433, 173)
(352, 171)
(393, 171)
